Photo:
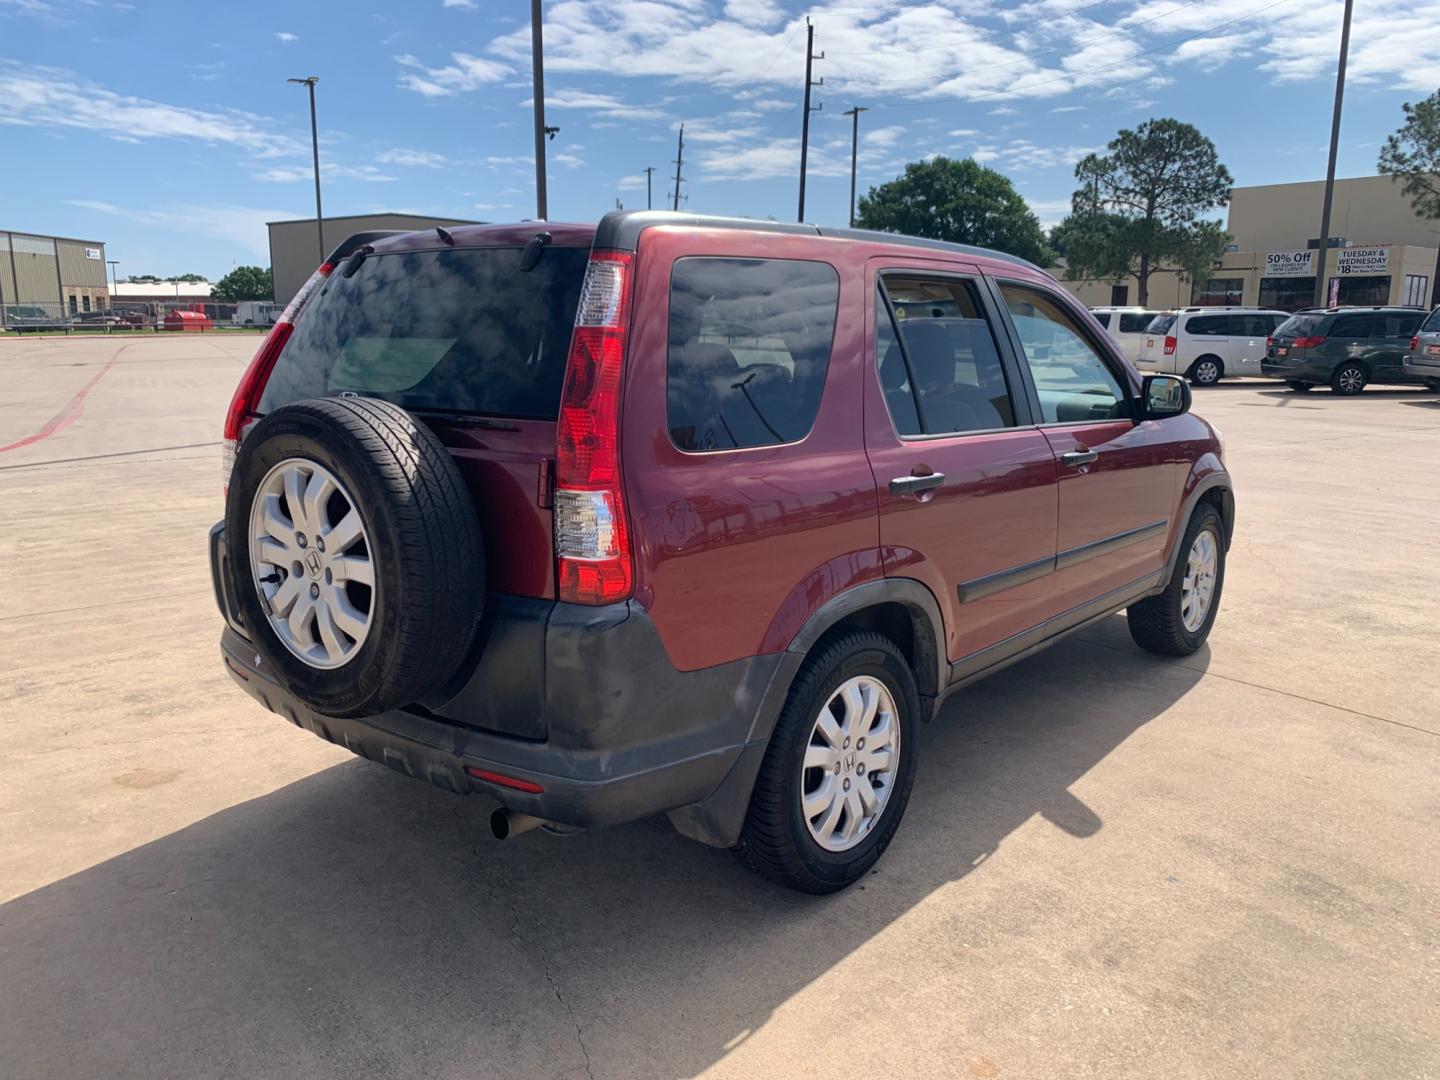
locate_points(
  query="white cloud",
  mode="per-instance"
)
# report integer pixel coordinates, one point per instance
(570, 161)
(600, 104)
(962, 133)
(1023, 155)
(239, 225)
(753, 12)
(630, 183)
(289, 174)
(418, 158)
(463, 73)
(285, 37)
(457, 3)
(50, 97)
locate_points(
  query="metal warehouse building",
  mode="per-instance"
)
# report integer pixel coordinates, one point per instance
(1379, 253)
(295, 251)
(60, 274)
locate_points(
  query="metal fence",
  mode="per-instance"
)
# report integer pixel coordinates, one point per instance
(129, 316)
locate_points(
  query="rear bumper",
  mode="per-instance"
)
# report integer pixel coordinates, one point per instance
(1300, 369)
(1418, 366)
(623, 734)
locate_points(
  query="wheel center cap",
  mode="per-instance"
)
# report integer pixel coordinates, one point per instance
(849, 762)
(312, 564)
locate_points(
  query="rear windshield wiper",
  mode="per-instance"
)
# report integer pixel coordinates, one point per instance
(533, 250)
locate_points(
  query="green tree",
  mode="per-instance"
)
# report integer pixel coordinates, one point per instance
(187, 277)
(245, 283)
(960, 201)
(1412, 156)
(1140, 205)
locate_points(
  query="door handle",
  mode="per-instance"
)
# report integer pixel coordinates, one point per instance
(1076, 458)
(909, 485)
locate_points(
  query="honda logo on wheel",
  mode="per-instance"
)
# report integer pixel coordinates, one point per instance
(312, 563)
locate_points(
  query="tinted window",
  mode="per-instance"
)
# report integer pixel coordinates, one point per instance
(749, 346)
(1397, 323)
(1208, 326)
(1103, 317)
(951, 363)
(1161, 324)
(1299, 325)
(894, 376)
(1134, 323)
(1432, 322)
(1351, 326)
(1073, 381)
(461, 329)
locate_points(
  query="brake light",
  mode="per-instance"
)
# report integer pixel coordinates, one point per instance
(592, 542)
(1269, 341)
(1415, 343)
(241, 415)
(1170, 344)
(1307, 343)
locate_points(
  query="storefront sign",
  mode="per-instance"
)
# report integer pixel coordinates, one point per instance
(1289, 263)
(92, 253)
(1363, 260)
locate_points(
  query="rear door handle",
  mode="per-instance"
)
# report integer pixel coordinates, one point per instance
(909, 485)
(1079, 457)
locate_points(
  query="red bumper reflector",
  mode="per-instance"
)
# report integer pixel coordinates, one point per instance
(505, 781)
(236, 669)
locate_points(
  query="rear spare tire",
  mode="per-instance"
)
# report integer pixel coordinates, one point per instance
(357, 554)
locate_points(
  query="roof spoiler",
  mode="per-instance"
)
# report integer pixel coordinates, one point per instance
(359, 240)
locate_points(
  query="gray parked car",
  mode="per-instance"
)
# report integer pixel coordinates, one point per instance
(1422, 361)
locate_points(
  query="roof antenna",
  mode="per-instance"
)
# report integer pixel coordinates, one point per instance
(450, 240)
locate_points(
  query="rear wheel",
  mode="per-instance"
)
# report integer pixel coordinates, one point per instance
(1433, 385)
(1349, 378)
(838, 772)
(1298, 386)
(1207, 371)
(1177, 621)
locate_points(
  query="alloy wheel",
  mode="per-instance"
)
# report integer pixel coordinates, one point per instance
(310, 559)
(1198, 586)
(1207, 372)
(850, 763)
(1351, 380)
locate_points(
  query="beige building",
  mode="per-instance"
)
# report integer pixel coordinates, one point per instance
(1380, 253)
(53, 273)
(295, 249)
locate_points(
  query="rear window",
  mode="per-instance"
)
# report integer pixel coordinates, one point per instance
(1161, 324)
(1300, 325)
(459, 330)
(749, 346)
(1432, 322)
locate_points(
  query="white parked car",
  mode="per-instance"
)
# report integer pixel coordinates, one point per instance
(1126, 325)
(1206, 344)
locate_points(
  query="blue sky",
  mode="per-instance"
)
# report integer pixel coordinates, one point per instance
(168, 131)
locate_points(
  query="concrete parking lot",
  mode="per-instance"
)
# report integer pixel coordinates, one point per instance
(1112, 865)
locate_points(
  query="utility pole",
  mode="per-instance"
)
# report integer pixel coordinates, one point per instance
(309, 81)
(1321, 284)
(854, 114)
(114, 280)
(537, 64)
(649, 176)
(679, 165)
(805, 119)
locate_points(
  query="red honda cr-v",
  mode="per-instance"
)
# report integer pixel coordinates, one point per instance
(692, 515)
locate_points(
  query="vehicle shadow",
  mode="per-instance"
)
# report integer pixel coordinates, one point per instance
(358, 923)
(1430, 403)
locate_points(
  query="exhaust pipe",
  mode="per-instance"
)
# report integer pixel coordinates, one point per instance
(507, 823)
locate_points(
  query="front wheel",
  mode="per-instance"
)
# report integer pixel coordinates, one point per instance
(1349, 379)
(1177, 621)
(1206, 371)
(838, 772)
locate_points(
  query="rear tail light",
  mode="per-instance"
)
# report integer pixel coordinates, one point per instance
(592, 542)
(1170, 344)
(1307, 342)
(1415, 343)
(1269, 341)
(241, 416)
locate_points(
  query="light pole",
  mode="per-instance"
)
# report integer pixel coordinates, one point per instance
(537, 72)
(854, 115)
(114, 280)
(309, 82)
(1321, 299)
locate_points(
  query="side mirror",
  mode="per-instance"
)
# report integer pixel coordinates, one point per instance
(1162, 396)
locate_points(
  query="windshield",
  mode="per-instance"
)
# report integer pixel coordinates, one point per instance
(1433, 321)
(459, 330)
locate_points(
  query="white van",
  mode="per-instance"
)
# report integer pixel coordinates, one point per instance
(1126, 325)
(1205, 344)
